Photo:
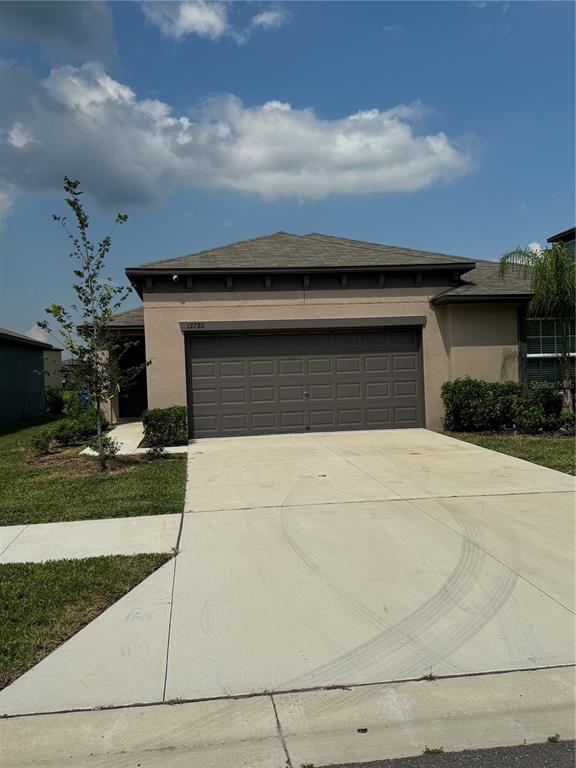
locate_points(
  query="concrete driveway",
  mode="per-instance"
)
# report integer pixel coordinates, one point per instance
(344, 558)
(336, 559)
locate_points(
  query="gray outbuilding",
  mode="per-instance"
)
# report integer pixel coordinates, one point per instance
(22, 379)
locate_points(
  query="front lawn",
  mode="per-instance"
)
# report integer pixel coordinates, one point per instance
(43, 604)
(553, 452)
(66, 486)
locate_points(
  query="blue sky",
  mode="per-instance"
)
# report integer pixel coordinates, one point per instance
(445, 126)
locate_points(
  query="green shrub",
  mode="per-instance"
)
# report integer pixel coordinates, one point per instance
(567, 423)
(165, 426)
(42, 440)
(533, 419)
(472, 405)
(54, 400)
(66, 432)
(75, 409)
(110, 445)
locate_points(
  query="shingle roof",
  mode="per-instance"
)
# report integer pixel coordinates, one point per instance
(283, 250)
(484, 282)
(132, 318)
(563, 237)
(19, 338)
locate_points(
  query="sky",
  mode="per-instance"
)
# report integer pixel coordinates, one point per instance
(446, 126)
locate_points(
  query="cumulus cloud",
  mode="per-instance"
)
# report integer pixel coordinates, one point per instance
(206, 19)
(272, 19)
(38, 333)
(67, 31)
(534, 246)
(130, 150)
(178, 19)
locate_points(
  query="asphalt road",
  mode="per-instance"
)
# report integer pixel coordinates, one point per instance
(560, 755)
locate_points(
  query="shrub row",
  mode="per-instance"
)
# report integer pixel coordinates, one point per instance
(472, 405)
(164, 427)
(78, 425)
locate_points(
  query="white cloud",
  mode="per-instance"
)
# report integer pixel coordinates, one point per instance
(534, 246)
(393, 28)
(19, 136)
(129, 150)
(272, 19)
(178, 19)
(37, 333)
(206, 19)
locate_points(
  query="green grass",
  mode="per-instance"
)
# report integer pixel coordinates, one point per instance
(44, 604)
(67, 486)
(553, 452)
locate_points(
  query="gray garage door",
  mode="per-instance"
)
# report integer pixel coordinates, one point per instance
(264, 383)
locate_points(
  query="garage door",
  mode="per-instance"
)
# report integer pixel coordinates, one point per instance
(265, 383)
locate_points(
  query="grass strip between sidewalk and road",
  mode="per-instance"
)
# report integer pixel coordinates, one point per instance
(552, 452)
(43, 604)
(64, 485)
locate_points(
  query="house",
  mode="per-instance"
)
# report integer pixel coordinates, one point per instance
(568, 237)
(288, 333)
(28, 366)
(543, 342)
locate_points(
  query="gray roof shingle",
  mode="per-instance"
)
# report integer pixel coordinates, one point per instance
(283, 250)
(131, 318)
(485, 282)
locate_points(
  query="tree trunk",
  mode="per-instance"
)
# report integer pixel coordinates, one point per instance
(101, 456)
(567, 400)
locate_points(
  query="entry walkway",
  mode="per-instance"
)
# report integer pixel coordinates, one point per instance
(130, 435)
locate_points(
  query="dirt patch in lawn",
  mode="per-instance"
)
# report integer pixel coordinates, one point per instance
(68, 462)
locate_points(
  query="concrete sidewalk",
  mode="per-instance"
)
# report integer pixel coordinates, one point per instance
(310, 728)
(88, 538)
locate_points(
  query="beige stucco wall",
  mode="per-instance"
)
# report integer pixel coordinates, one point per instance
(479, 340)
(484, 341)
(53, 368)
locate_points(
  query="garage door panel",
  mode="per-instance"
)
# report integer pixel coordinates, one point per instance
(263, 395)
(377, 389)
(319, 366)
(405, 388)
(405, 414)
(377, 364)
(349, 391)
(290, 367)
(264, 383)
(321, 392)
(261, 367)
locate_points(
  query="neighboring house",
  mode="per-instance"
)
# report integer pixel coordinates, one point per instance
(542, 335)
(27, 366)
(288, 333)
(53, 373)
(68, 373)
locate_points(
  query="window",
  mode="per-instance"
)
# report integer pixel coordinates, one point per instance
(543, 345)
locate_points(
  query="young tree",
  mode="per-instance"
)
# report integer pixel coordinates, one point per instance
(85, 328)
(552, 274)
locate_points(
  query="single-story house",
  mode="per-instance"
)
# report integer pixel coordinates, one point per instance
(288, 333)
(28, 366)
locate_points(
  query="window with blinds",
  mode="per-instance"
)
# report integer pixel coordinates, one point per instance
(543, 345)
